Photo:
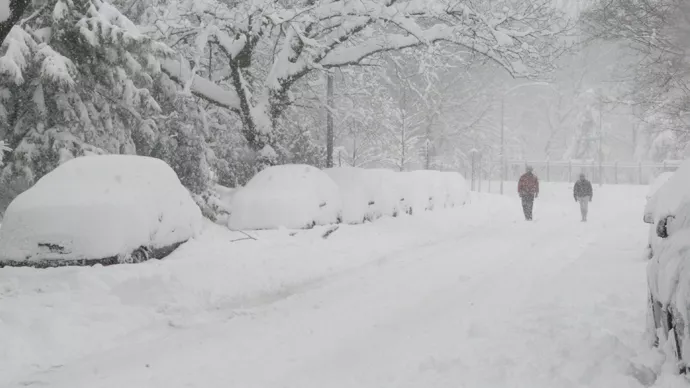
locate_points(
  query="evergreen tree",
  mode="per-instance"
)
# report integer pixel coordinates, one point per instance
(76, 78)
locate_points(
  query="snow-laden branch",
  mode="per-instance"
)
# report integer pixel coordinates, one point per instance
(267, 47)
(201, 87)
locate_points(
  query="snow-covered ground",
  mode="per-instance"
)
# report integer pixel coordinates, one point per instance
(464, 297)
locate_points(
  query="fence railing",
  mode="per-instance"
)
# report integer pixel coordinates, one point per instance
(640, 173)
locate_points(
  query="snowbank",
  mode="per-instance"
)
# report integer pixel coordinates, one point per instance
(290, 196)
(358, 190)
(95, 207)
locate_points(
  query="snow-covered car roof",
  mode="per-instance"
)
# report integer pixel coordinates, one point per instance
(99, 206)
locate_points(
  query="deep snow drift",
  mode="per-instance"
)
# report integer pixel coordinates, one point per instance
(471, 296)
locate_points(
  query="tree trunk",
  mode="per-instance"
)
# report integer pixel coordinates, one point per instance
(330, 133)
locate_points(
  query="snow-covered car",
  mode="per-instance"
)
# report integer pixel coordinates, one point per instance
(668, 271)
(650, 214)
(293, 196)
(425, 190)
(390, 198)
(359, 190)
(105, 209)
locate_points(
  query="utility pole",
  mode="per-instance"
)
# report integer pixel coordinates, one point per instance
(503, 146)
(330, 133)
(601, 140)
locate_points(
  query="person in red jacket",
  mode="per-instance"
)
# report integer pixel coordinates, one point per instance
(528, 189)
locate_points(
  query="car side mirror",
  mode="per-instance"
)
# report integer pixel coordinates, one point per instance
(661, 227)
(648, 218)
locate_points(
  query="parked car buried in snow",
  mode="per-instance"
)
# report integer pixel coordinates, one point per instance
(668, 271)
(292, 196)
(105, 209)
(651, 216)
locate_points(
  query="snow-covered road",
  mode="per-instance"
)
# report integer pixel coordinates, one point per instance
(483, 300)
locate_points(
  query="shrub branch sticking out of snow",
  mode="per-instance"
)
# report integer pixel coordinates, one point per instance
(96, 207)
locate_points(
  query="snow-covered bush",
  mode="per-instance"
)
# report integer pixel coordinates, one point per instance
(98, 207)
(359, 190)
(292, 196)
(215, 203)
(181, 144)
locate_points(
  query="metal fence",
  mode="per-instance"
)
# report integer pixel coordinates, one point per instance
(636, 173)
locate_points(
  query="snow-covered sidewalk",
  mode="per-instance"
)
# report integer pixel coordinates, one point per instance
(470, 297)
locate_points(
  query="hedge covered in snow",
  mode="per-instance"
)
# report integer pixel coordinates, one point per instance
(300, 196)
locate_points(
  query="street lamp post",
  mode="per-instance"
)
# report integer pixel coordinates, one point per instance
(503, 103)
(473, 153)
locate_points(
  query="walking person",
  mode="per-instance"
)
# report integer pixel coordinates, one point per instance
(528, 189)
(583, 194)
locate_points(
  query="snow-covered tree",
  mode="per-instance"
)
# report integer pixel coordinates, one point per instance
(76, 78)
(362, 104)
(657, 31)
(270, 47)
(586, 137)
(11, 12)
(3, 150)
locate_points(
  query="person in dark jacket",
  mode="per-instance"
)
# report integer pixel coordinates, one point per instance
(528, 189)
(583, 194)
